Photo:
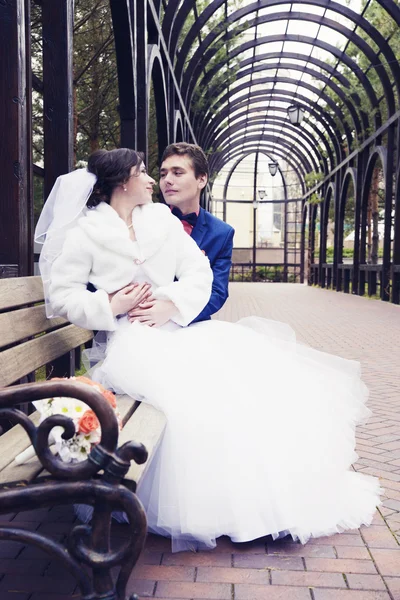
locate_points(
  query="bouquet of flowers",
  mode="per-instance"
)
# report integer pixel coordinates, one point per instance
(87, 426)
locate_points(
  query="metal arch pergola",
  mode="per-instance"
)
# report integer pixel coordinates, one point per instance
(224, 78)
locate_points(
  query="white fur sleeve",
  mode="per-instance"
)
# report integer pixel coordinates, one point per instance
(69, 297)
(192, 290)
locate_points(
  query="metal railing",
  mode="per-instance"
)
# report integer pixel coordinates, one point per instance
(265, 272)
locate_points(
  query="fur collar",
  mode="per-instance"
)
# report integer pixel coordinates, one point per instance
(151, 223)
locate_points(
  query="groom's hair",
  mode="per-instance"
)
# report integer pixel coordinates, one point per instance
(195, 153)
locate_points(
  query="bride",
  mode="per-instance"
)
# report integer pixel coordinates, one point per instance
(260, 430)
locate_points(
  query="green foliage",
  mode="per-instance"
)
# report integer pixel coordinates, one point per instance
(95, 79)
(377, 16)
(37, 197)
(313, 178)
(206, 94)
(315, 199)
(153, 149)
(262, 274)
(96, 119)
(347, 252)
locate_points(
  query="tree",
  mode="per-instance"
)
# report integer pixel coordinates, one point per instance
(207, 93)
(96, 115)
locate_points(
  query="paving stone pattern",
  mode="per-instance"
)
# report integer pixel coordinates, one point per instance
(357, 565)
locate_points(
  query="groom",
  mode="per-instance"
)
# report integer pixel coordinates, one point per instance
(183, 176)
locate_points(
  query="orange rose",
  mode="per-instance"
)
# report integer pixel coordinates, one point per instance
(110, 397)
(84, 379)
(108, 394)
(88, 422)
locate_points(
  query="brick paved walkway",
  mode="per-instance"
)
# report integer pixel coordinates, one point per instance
(358, 565)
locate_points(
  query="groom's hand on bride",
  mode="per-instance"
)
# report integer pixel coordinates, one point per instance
(129, 297)
(153, 313)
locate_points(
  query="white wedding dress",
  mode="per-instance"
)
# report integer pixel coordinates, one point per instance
(260, 431)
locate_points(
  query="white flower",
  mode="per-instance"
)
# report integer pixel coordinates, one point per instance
(69, 407)
(77, 448)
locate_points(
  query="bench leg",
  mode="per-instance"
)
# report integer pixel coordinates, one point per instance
(86, 544)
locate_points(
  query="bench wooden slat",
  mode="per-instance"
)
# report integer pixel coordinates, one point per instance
(24, 323)
(18, 291)
(21, 473)
(16, 440)
(25, 358)
(145, 426)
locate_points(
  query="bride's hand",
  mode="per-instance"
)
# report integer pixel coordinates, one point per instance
(154, 313)
(129, 297)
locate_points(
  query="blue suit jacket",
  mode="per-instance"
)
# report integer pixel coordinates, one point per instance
(215, 237)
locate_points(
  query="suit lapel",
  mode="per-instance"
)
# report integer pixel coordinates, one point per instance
(199, 230)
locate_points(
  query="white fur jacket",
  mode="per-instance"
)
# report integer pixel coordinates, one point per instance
(99, 250)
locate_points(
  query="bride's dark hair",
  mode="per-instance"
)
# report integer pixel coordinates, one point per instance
(112, 168)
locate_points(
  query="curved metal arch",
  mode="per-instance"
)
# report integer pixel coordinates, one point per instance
(331, 188)
(274, 139)
(360, 21)
(388, 5)
(325, 205)
(178, 127)
(392, 8)
(229, 176)
(280, 95)
(378, 153)
(324, 218)
(323, 117)
(396, 241)
(125, 55)
(156, 75)
(349, 174)
(283, 96)
(324, 46)
(233, 169)
(237, 163)
(152, 30)
(314, 208)
(171, 16)
(307, 86)
(217, 162)
(215, 92)
(303, 133)
(304, 242)
(239, 137)
(321, 138)
(369, 90)
(201, 56)
(267, 153)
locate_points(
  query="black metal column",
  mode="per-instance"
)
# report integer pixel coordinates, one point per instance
(122, 12)
(58, 18)
(142, 74)
(255, 217)
(336, 277)
(385, 281)
(16, 255)
(361, 163)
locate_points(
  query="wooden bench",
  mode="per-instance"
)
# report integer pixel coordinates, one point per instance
(107, 480)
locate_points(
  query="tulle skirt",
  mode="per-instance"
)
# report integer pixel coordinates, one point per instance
(260, 432)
